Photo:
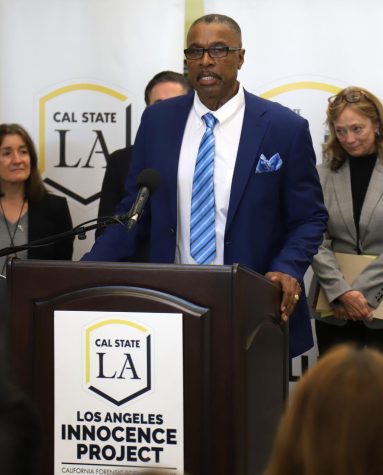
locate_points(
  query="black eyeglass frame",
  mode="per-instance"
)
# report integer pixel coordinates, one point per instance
(350, 97)
(224, 49)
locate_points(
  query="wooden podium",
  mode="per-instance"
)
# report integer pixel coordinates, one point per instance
(235, 350)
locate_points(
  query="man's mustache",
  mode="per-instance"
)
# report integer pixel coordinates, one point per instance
(205, 74)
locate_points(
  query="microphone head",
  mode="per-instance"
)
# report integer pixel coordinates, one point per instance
(150, 178)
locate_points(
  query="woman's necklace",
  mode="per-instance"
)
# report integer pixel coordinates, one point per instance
(12, 235)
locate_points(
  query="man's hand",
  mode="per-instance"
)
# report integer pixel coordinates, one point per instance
(291, 292)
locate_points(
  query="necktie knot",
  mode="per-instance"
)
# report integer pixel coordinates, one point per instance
(209, 120)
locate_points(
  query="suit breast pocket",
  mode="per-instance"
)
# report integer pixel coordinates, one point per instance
(267, 177)
(266, 189)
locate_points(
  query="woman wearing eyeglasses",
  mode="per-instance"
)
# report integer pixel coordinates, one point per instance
(352, 182)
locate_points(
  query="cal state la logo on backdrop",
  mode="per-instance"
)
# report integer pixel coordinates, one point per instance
(80, 124)
(308, 97)
(118, 359)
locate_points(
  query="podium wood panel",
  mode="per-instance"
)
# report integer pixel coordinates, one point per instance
(235, 350)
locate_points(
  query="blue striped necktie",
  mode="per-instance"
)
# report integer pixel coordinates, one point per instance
(202, 218)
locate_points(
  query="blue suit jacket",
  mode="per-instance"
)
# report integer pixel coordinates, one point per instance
(275, 221)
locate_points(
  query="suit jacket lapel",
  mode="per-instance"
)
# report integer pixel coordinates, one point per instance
(253, 129)
(373, 195)
(342, 190)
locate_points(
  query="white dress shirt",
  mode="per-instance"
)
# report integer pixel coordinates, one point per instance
(227, 134)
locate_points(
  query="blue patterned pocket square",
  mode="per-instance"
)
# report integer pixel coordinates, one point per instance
(269, 165)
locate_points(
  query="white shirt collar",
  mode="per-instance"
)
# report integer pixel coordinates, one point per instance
(228, 110)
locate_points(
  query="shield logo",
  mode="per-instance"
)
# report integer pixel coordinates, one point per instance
(118, 360)
(80, 124)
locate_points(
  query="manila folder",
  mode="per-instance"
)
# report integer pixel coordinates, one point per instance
(351, 266)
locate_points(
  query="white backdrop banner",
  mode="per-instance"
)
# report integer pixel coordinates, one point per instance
(300, 52)
(74, 73)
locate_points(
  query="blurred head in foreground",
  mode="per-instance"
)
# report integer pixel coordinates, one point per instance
(334, 422)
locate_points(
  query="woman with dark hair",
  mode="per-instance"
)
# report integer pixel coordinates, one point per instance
(27, 211)
(352, 182)
(334, 422)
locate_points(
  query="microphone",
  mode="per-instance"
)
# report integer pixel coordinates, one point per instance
(147, 183)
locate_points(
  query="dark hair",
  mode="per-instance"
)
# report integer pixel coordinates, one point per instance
(369, 106)
(334, 422)
(34, 187)
(217, 18)
(166, 76)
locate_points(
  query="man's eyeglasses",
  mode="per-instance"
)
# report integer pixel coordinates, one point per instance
(213, 52)
(350, 97)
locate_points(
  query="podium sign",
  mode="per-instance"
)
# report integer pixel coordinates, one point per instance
(118, 391)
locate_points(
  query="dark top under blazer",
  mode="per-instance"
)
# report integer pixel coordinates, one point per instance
(275, 220)
(47, 217)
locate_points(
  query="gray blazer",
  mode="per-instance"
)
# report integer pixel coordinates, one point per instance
(341, 236)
